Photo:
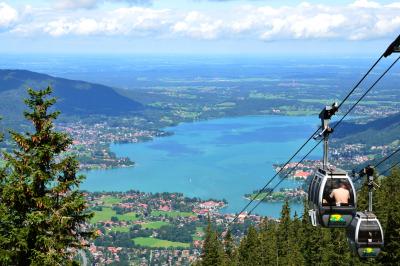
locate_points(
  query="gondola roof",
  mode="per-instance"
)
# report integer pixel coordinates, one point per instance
(332, 171)
(366, 215)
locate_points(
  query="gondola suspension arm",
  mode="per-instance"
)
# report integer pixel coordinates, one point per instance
(369, 171)
(325, 116)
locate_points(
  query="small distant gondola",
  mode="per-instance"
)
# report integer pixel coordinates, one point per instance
(331, 194)
(365, 235)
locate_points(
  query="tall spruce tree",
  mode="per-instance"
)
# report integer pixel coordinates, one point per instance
(42, 212)
(336, 248)
(249, 249)
(268, 243)
(295, 242)
(312, 243)
(391, 223)
(213, 252)
(230, 249)
(283, 234)
(295, 239)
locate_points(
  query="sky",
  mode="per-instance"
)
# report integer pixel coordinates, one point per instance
(198, 26)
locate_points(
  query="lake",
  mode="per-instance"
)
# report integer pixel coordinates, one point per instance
(221, 159)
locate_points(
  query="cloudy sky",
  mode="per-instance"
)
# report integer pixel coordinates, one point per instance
(198, 26)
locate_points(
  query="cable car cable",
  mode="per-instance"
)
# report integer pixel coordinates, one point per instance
(283, 178)
(381, 162)
(308, 140)
(361, 80)
(388, 157)
(342, 102)
(280, 170)
(390, 168)
(366, 92)
(393, 47)
(336, 125)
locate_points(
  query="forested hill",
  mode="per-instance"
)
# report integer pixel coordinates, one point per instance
(378, 132)
(74, 97)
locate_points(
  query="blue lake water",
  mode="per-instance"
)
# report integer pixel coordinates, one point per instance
(221, 158)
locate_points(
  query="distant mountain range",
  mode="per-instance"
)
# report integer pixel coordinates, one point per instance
(80, 98)
(73, 97)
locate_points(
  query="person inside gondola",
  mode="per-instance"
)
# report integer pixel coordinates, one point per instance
(341, 195)
(369, 236)
(327, 200)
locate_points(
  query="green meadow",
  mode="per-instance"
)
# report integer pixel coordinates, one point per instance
(172, 213)
(154, 225)
(158, 243)
(110, 200)
(107, 213)
(198, 230)
(120, 229)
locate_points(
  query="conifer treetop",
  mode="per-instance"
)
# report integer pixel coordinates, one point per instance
(43, 211)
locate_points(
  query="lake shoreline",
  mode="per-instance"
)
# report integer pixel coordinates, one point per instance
(236, 151)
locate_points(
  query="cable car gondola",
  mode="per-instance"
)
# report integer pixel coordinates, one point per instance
(331, 193)
(326, 210)
(365, 235)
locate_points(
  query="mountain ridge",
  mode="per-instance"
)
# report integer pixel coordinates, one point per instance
(74, 97)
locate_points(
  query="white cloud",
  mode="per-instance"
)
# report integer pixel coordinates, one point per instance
(393, 5)
(8, 15)
(365, 4)
(360, 20)
(74, 4)
(89, 4)
(198, 25)
(134, 19)
(122, 21)
(320, 25)
(63, 27)
(363, 19)
(381, 27)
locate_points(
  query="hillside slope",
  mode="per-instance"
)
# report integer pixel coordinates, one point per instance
(378, 132)
(73, 97)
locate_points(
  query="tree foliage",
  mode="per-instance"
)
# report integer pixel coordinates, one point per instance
(294, 241)
(42, 212)
(389, 210)
(213, 254)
